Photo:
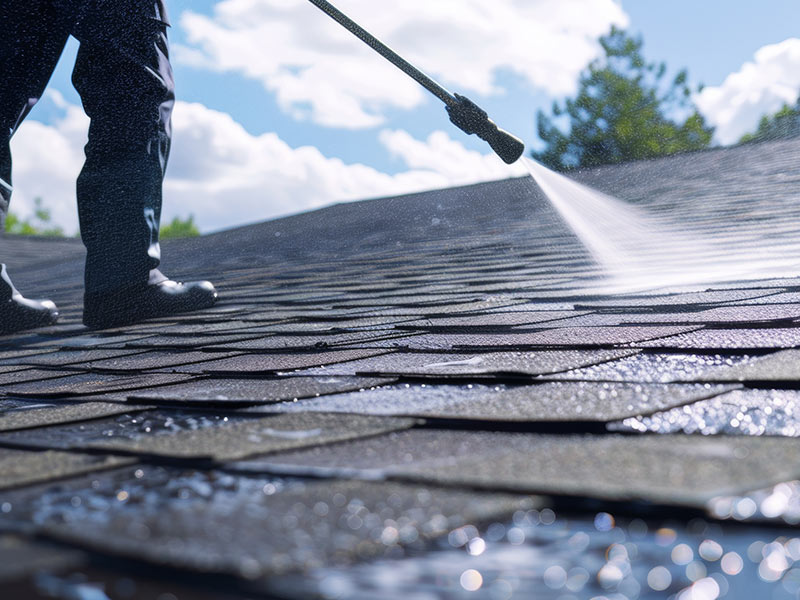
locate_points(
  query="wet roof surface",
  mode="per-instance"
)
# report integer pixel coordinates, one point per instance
(381, 376)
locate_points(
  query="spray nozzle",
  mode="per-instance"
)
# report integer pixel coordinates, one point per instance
(471, 118)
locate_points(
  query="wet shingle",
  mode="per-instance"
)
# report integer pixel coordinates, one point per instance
(154, 359)
(200, 436)
(188, 342)
(730, 339)
(23, 467)
(59, 358)
(20, 557)
(232, 392)
(90, 384)
(741, 412)
(781, 366)
(489, 320)
(670, 469)
(277, 343)
(254, 364)
(447, 308)
(484, 363)
(567, 336)
(548, 402)
(661, 368)
(251, 527)
(22, 375)
(713, 316)
(687, 299)
(28, 415)
(85, 341)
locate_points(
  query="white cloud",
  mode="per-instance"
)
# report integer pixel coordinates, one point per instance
(447, 157)
(47, 160)
(760, 87)
(225, 176)
(319, 70)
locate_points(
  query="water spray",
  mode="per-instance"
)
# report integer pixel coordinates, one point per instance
(465, 114)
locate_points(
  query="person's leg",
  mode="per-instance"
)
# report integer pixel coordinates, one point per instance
(32, 37)
(124, 78)
(125, 81)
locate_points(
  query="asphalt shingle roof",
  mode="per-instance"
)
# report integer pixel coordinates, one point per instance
(379, 374)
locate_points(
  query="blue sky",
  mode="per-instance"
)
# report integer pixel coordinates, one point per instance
(281, 111)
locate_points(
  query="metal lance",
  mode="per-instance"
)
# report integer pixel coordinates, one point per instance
(465, 114)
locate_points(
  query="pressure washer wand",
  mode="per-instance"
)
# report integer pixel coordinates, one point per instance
(464, 113)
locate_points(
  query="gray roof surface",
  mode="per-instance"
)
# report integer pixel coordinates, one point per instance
(378, 374)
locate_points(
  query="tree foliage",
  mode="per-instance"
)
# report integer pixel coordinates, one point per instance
(783, 124)
(623, 111)
(179, 228)
(39, 224)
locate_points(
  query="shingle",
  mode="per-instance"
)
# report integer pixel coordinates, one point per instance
(774, 299)
(568, 336)
(199, 436)
(661, 368)
(689, 299)
(203, 328)
(741, 412)
(232, 392)
(548, 402)
(23, 375)
(446, 308)
(489, 320)
(276, 343)
(730, 339)
(278, 524)
(761, 313)
(20, 558)
(783, 366)
(535, 362)
(254, 364)
(720, 315)
(13, 355)
(78, 358)
(187, 342)
(154, 359)
(90, 384)
(23, 467)
(85, 341)
(27, 415)
(671, 469)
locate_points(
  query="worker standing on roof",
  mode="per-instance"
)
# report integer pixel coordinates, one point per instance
(124, 78)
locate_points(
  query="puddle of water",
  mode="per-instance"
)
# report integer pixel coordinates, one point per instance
(781, 501)
(541, 555)
(537, 553)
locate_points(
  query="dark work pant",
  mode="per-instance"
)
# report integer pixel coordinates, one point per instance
(124, 78)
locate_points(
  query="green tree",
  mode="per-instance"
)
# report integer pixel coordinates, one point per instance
(783, 124)
(39, 224)
(179, 228)
(622, 112)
